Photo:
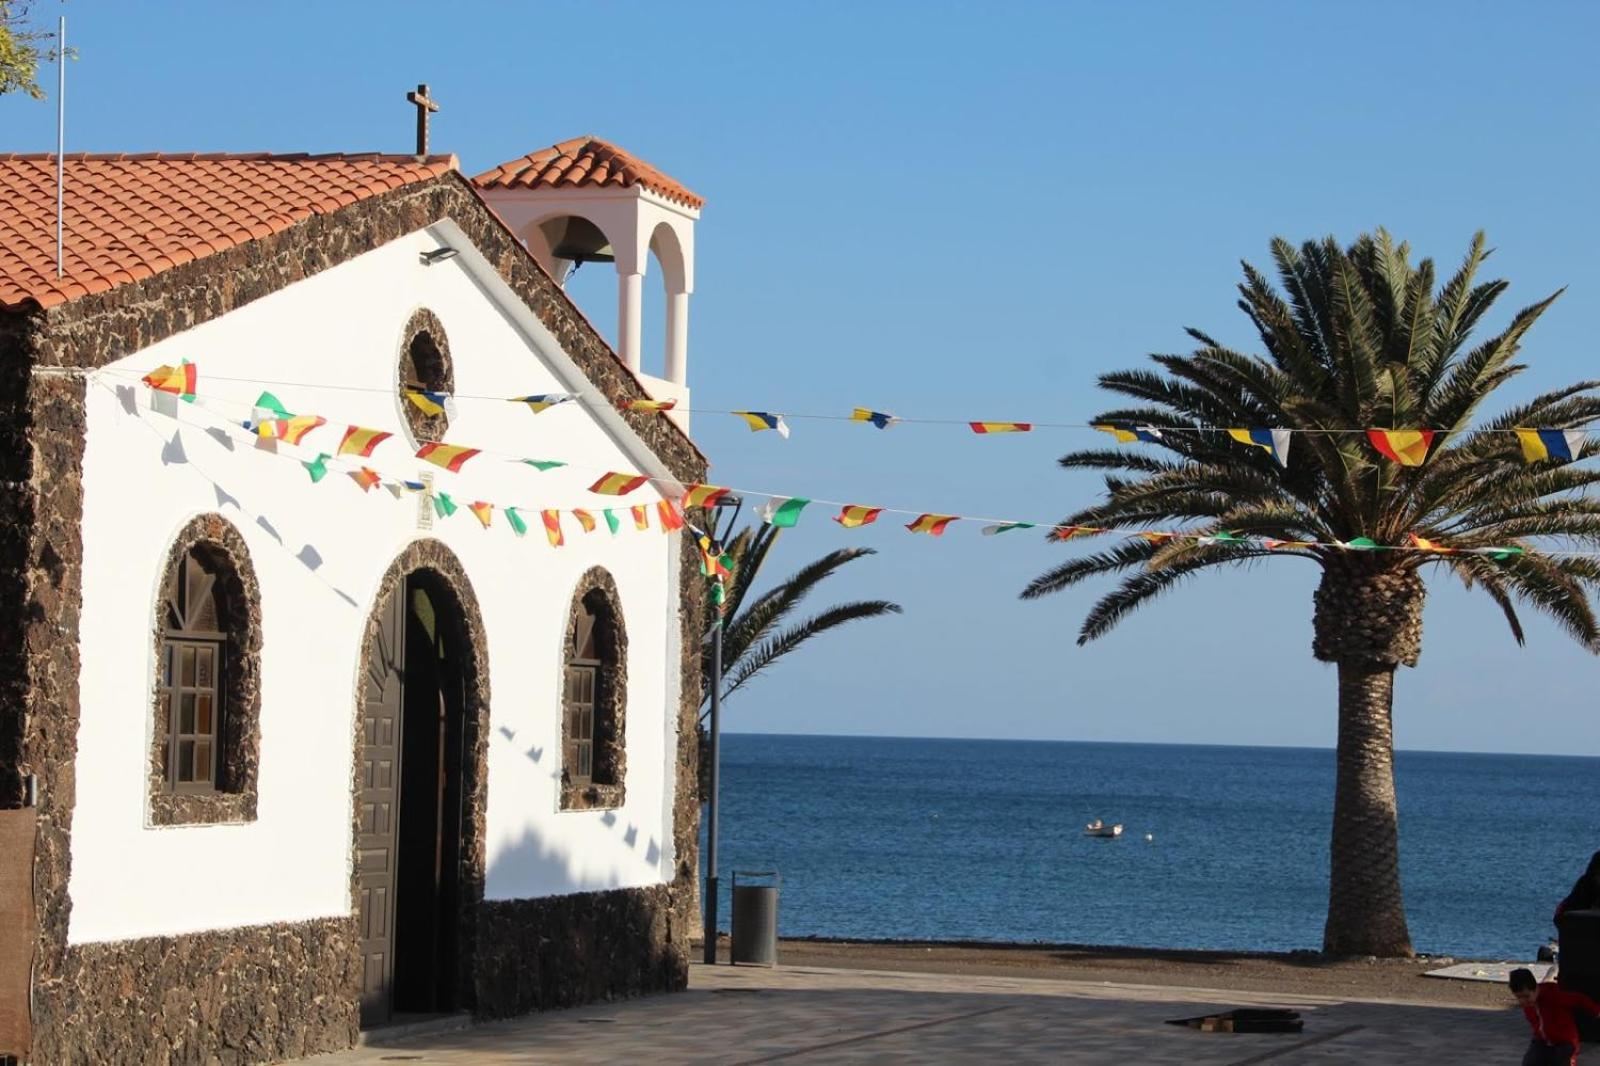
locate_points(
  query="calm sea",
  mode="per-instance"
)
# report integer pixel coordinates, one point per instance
(965, 839)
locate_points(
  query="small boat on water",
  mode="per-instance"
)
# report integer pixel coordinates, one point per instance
(1097, 828)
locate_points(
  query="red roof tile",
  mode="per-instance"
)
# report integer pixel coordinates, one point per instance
(130, 216)
(586, 162)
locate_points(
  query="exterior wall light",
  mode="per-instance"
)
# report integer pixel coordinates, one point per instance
(439, 255)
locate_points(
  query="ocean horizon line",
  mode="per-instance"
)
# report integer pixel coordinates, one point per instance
(1147, 744)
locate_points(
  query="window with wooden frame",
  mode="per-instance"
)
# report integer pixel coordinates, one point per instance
(593, 756)
(193, 657)
(206, 741)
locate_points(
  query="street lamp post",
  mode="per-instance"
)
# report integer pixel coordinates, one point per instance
(719, 533)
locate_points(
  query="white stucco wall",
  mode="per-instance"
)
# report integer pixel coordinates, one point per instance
(319, 551)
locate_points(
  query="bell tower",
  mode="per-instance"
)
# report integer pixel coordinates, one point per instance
(587, 201)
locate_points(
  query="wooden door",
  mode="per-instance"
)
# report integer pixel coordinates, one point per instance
(376, 843)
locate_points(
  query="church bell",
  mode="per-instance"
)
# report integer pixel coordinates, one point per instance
(580, 241)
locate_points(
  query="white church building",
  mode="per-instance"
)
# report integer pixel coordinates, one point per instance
(349, 640)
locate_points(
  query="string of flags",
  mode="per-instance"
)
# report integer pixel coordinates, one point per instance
(271, 420)
(1406, 447)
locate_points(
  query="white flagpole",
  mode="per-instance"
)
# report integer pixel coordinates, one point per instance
(61, 132)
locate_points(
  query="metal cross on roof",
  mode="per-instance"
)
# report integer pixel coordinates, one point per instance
(425, 107)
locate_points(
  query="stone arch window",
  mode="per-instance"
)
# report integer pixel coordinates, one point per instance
(206, 741)
(594, 682)
(425, 364)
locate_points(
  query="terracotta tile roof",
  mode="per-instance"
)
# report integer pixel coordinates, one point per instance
(584, 162)
(131, 216)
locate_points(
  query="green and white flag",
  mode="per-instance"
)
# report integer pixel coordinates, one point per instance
(518, 523)
(782, 512)
(1005, 527)
(612, 521)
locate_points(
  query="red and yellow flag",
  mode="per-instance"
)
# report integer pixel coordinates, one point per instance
(1408, 447)
(932, 524)
(1427, 545)
(1070, 532)
(698, 495)
(359, 440)
(552, 528)
(670, 518)
(653, 406)
(292, 429)
(615, 484)
(1287, 545)
(641, 516)
(178, 380)
(450, 456)
(483, 511)
(366, 477)
(1155, 536)
(585, 519)
(1001, 427)
(852, 515)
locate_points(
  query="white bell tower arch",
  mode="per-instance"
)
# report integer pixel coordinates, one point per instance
(587, 201)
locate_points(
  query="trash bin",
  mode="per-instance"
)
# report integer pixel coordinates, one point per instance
(755, 918)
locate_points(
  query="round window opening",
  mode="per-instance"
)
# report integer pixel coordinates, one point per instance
(426, 377)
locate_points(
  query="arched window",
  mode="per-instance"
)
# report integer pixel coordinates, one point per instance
(425, 365)
(206, 742)
(593, 698)
(193, 657)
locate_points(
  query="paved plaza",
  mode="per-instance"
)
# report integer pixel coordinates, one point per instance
(755, 1015)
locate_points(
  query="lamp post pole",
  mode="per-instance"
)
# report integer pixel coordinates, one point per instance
(709, 934)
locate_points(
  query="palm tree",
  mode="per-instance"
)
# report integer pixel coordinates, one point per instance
(1361, 339)
(756, 636)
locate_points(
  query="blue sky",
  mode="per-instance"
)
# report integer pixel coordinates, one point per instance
(955, 210)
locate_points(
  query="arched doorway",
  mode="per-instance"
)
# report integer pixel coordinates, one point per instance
(418, 834)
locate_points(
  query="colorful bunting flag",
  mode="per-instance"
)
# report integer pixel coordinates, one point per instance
(1001, 427)
(552, 528)
(853, 515)
(360, 441)
(698, 495)
(650, 406)
(318, 467)
(783, 512)
(432, 403)
(293, 429)
(366, 477)
(612, 521)
(671, 520)
(760, 420)
(483, 511)
(585, 519)
(1125, 434)
(714, 564)
(1005, 527)
(266, 408)
(519, 525)
(1154, 536)
(544, 401)
(932, 524)
(1275, 442)
(615, 484)
(1222, 537)
(1287, 545)
(1562, 445)
(877, 418)
(641, 517)
(1408, 447)
(1424, 544)
(1500, 555)
(1361, 544)
(1071, 532)
(178, 380)
(450, 456)
(443, 505)
(542, 465)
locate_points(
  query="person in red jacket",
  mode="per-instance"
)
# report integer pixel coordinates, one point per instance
(1548, 1008)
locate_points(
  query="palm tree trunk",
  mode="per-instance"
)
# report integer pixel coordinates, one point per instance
(1368, 621)
(1366, 914)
